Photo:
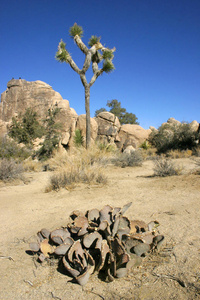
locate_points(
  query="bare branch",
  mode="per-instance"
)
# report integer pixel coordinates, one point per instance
(80, 44)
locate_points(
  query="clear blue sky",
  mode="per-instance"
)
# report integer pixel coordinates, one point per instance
(157, 57)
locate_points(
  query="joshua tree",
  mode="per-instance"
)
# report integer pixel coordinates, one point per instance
(95, 54)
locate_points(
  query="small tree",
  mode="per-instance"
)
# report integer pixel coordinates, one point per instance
(120, 112)
(95, 54)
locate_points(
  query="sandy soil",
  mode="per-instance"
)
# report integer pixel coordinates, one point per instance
(174, 273)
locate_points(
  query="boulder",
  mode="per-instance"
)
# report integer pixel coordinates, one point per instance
(129, 149)
(194, 125)
(132, 135)
(108, 124)
(81, 125)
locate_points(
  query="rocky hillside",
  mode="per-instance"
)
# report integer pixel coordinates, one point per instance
(21, 94)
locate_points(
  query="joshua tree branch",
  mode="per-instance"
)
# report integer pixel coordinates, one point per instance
(95, 76)
(80, 44)
(73, 65)
(87, 62)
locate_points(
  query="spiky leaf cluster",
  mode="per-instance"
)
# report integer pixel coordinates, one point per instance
(76, 30)
(62, 54)
(93, 40)
(108, 54)
(108, 66)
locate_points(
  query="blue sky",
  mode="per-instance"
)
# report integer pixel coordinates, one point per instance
(157, 58)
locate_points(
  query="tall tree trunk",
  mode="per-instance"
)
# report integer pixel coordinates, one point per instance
(87, 109)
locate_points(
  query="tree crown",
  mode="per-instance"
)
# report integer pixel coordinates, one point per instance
(120, 112)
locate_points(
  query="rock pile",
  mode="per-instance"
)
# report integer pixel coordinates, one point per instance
(103, 240)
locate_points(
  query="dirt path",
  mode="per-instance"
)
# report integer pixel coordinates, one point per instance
(173, 201)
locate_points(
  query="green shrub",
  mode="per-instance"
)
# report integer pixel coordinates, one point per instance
(10, 170)
(128, 159)
(165, 167)
(174, 136)
(26, 127)
(10, 149)
(78, 138)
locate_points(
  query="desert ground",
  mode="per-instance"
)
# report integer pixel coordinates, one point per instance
(173, 273)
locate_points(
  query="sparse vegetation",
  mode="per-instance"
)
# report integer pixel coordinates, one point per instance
(128, 160)
(10, 170)
(165, 167)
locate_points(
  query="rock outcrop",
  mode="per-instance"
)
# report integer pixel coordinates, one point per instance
(21, 94)
(106, 128)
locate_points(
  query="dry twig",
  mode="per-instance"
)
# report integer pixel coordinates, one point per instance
(180, 281)
(8, 257)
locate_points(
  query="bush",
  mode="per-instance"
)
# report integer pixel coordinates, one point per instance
(128, 160)
(174, 136)
(10, 149)
(164, 167)
(10, 170)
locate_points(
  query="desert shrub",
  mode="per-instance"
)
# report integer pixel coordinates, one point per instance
(174, 136)
(26, 127)
(10, 170)
(128, 159)
(165, 167)
(78, 138)
(10, 149)
(69, 178)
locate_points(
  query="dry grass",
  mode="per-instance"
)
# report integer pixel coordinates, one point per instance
(79, 158)
(179, 153)
(79, 165)
(70, 178)
(30, 165)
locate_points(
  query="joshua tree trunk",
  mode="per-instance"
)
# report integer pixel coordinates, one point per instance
(87, 109)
